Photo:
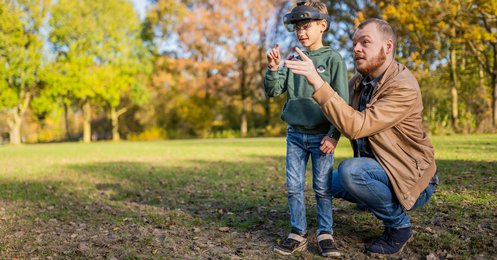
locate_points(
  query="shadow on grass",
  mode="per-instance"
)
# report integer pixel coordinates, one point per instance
(250, 196)
(242, 196)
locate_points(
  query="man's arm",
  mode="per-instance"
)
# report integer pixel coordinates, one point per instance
(386, 112)
(390, 109)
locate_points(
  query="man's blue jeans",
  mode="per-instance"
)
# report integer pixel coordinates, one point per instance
(363, 181)
(299, 147)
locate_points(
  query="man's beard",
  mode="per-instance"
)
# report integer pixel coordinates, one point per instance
(375, 63)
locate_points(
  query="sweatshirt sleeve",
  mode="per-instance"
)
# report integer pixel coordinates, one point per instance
(275, 82)
(339, 83)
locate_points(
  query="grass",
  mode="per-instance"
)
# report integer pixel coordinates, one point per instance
(217, 199)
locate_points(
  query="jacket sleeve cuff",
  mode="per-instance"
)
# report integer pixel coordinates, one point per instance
(271, 75)
(324, 94)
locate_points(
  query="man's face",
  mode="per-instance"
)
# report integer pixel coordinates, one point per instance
(369, 52)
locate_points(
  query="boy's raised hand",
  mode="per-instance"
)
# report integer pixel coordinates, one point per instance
(306, 68)
(274, 58)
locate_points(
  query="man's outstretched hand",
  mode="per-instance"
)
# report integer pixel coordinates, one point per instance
(306, 68)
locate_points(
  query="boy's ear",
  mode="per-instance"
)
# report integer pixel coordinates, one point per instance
(323, 24)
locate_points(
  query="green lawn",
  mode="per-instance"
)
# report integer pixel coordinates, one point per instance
(217, 198)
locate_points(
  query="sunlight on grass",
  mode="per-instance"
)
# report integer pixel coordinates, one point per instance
(145, 193)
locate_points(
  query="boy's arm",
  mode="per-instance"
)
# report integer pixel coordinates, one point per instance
(274, 78)
(338, 81)
(275, 82)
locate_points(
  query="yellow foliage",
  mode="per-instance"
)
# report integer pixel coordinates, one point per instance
(151, 134)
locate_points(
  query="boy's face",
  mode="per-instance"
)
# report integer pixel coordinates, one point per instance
(310, 33)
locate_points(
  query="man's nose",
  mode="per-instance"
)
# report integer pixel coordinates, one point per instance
(357, 48)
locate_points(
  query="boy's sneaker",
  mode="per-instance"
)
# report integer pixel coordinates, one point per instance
(293, 243)
(391, 242)
(326, 245)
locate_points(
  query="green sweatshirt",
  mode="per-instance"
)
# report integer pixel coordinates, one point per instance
(300, 110)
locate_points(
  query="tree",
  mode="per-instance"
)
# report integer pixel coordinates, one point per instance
(229, 35)
(98, 55)
(480, 27)
(427, 34)
(20, 55)
(445, 30)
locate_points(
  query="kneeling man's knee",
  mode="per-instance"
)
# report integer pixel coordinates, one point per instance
(349, 172)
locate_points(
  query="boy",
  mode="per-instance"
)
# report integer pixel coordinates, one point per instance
(308, 131)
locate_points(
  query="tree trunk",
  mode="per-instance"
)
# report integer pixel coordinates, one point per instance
(114, 116)
(87, 122)
(454, 88)
(115, 125)
(243, 124)
(243, 86)
(15, 122)
(66, 123)
(15, 130)
(494, 100)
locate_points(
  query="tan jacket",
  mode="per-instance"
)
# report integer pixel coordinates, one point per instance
(392, 122)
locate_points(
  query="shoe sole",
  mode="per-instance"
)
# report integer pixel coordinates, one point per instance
(300, 248)
(330, 254)
(394, 254)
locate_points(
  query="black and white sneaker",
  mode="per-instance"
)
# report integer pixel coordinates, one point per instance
(293, 243)
(326, 245)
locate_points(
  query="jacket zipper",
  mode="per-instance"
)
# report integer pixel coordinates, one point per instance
(412, 157)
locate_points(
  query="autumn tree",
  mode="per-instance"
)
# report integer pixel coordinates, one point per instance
(228, 36)
(98, 56)
(21, 51)
(434, 31)
(480, 34)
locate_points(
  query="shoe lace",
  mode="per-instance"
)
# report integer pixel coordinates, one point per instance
(326, 243)
(387, 236)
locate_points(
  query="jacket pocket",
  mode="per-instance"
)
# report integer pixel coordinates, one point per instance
(420, 164)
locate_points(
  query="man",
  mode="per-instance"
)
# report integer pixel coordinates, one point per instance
(393, 169)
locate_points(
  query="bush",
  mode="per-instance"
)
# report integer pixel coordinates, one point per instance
(151, 134)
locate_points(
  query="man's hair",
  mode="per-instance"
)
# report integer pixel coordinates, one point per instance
(316, 4)
(383, 26)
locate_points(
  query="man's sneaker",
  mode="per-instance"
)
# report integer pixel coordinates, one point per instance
(391, 242)
(326, 246)
(293, 243)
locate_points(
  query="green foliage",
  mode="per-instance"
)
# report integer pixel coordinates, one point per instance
(100, 55)
(21, 47)
(98, 44)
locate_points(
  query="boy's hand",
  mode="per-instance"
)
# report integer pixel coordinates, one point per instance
(328, 145)
(306, 68)
(274, 58)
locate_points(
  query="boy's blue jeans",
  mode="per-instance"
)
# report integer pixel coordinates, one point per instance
(363, 181)
(299, 147)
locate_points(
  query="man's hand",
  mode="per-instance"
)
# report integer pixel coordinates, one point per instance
(306, 68)
(328, 145)
(274, 58)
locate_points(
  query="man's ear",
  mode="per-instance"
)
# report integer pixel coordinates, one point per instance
(389, 49)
